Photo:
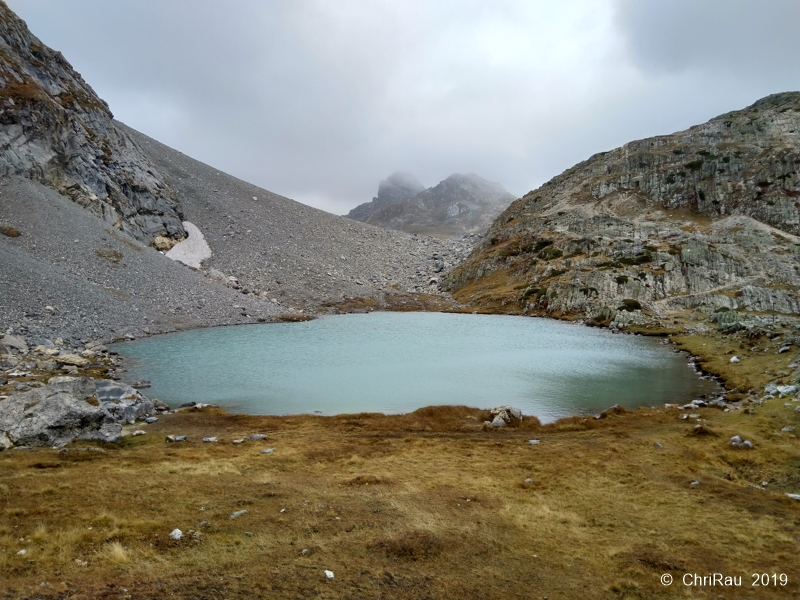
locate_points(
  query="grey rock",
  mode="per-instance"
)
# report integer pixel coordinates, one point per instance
(533, 442)
(268, 451)
(176, 438)
(254, 437)
(12, 343)
(620, 209)
(151, 420)
(788, 428)
(505, 415)
(210, 440)
(237, 514)
(794, 496)
(56, 414)
(176, 534)
(126, 403)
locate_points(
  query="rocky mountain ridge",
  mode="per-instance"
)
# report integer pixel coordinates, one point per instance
(457, 206)
(705, 219)
(57, 131)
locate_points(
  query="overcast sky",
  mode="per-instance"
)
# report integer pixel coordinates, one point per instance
(319, 100)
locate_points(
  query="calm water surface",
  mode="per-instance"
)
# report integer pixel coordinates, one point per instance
(398, 362)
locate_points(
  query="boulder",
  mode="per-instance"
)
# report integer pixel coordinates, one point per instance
(72, 359)
(56, 414)
(10, 344)
(505, 415)
(68, 408)
(125, 403)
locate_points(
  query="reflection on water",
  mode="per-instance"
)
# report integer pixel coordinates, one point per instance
(398, 362)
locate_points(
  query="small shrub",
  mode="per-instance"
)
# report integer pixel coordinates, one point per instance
(695, 165)
(493, 241)
(701, 194)
(414, 546)
(9, 230)
(639, 259)
(550, 253)
(677, 151)
(541, 244)
(622, 279)
(630, 305)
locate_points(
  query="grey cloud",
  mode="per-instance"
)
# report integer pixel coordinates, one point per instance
(742, 37)
(320, 101)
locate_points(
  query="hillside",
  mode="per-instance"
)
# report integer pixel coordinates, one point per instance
(457, 206)
(705, 217)
(85, 200)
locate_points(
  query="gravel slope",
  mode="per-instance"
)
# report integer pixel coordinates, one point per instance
(283, 256)
(296, 254)
(99, 282)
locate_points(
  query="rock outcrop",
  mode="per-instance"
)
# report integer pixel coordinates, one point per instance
(69, 408)
(55, 130)
(459, 205)
(703, 222)
(397, 187)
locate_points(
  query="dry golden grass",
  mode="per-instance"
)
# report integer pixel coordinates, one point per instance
(425, 505)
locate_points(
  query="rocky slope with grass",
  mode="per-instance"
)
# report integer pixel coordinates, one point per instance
(697, 231)
(458, 206)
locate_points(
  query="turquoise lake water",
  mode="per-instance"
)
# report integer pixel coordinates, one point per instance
(398, 362)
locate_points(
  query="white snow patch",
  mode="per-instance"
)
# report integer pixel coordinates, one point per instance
(193, 250)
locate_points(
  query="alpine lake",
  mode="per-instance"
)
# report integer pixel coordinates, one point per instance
(390, 363)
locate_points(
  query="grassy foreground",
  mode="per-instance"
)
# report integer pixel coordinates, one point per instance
(425, 505)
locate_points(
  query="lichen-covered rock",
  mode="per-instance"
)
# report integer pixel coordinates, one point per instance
(55, 130)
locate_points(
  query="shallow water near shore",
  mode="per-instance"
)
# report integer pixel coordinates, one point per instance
(398, 362)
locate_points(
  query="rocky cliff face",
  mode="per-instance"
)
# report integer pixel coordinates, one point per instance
(459, 205)
(397, 187)
(55, 130)
(698, 228)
